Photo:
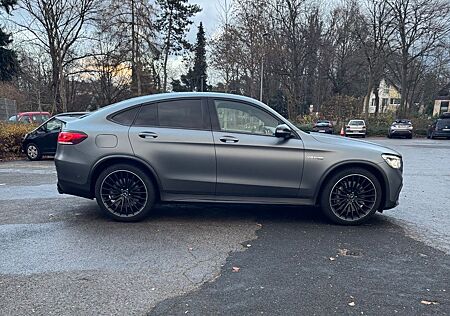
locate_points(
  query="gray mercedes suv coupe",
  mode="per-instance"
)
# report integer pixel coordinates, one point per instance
(214, 147)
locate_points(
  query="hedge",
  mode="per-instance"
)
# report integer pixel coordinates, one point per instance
(11, 135)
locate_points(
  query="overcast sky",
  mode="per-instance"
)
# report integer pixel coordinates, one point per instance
(209, 17)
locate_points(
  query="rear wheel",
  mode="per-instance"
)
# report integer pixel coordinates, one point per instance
(125, 193)
(33, 152)
(351, 196)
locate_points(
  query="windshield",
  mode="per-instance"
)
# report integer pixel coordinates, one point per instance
(39, 118)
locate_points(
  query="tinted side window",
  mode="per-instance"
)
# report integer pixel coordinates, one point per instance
(125, 117)
(181, 114)
(148, 116)
(244, 118)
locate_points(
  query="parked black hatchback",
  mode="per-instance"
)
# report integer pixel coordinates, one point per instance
(43, 140)
(440, 127)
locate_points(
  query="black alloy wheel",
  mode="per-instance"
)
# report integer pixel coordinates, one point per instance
(125, 192)
(351, 196)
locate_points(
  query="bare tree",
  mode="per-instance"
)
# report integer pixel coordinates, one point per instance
(57, 25)
(419, 28)
(374, 33)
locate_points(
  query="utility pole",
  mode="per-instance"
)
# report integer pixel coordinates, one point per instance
(262, 67)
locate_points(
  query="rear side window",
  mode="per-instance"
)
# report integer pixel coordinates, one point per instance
(148, 116)
(181, 114)
(125, 117)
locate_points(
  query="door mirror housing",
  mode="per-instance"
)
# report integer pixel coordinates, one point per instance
(283, 130)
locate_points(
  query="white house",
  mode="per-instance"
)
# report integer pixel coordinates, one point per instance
(389, 98)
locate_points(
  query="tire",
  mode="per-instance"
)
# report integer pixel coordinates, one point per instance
(410, 137)
(33, 152)
(364, 136)
(125, 193)
(341, 189)
(389, 136)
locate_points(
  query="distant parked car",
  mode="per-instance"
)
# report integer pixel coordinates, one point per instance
(401, 128)
(43, 140)
(30, 117)
(323, 126)
(440, 127)
(356, 128)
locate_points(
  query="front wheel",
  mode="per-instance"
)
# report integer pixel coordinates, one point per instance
(351, 196)
(125, 193)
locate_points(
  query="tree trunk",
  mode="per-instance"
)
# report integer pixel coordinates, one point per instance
(404, 88)
(367, 98)
(376, 91)
(166, 53)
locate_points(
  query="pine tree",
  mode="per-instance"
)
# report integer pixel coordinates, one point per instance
(9, 65)
(199, 70)
(173, 22)
(196, 78)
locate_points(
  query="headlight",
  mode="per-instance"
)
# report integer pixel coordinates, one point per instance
(393, 161)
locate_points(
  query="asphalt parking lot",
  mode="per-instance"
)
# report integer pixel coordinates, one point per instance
(59, 255)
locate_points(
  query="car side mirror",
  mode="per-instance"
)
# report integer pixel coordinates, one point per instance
(283, 130)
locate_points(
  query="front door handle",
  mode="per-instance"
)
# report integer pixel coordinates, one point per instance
(148, 135)
(229, 139)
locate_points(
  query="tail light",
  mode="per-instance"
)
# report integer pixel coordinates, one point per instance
(71, 138)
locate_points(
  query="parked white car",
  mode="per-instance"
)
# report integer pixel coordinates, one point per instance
(356, 128)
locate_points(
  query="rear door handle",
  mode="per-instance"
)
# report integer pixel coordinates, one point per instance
(148, 135)
(228, 139)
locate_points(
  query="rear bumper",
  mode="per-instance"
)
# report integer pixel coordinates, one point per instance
(73, 174)
(65, 187)
(323, 130)
(400, 132)
(441, 133)
(349, 133)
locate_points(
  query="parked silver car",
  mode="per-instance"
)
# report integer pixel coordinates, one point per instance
(401, 128)
(213, 147)
(356, 128)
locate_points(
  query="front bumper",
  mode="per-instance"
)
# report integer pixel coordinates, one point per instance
(394, 184)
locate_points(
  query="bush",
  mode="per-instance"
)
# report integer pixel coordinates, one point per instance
(11, 135)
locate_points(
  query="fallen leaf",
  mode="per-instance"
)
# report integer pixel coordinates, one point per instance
(332, 258)
(425, 302)
(258, 224)
(236, 269)
(248, 245)
(351, 304)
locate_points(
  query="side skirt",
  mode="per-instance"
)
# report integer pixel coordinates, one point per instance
(172, 197)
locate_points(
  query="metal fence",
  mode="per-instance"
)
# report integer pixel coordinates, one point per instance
(8, 108)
